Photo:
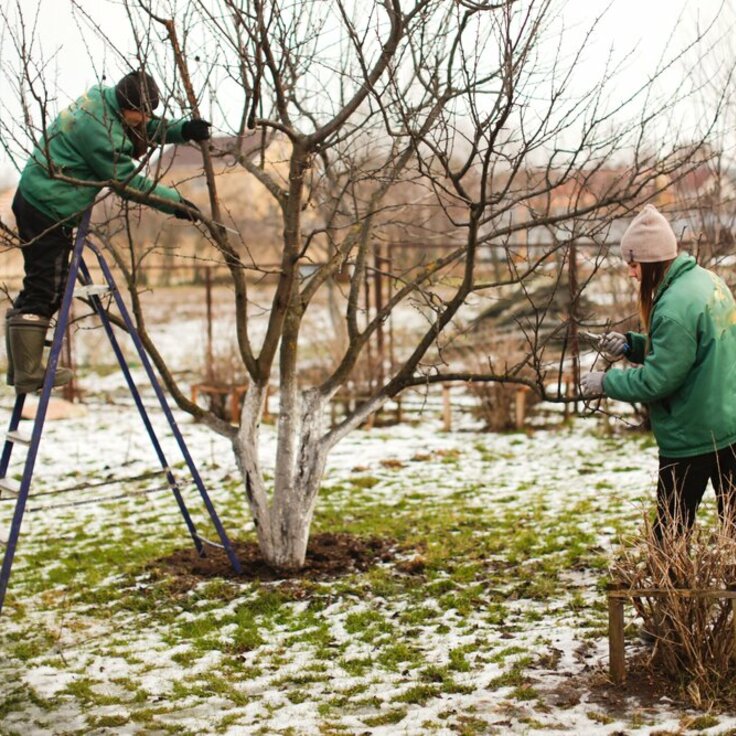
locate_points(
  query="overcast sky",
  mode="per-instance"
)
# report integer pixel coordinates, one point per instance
(74, 59)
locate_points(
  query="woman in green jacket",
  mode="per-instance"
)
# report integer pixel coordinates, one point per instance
(91, 144)
(686, 371)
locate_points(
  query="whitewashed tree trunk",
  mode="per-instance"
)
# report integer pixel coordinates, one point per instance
(283, 517)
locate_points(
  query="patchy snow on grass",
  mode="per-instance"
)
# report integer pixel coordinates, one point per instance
(490, 619)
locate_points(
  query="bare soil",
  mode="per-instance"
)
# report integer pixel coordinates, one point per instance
(646, 687)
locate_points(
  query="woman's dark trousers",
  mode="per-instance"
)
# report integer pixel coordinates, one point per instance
(682, 483)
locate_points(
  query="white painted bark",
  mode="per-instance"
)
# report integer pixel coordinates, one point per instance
(245, 448)
(283, 520)
(294, 496)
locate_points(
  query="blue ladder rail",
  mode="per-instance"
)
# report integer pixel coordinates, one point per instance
(78, 270)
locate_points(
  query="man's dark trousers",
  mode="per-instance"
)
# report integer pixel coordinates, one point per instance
(47, 246)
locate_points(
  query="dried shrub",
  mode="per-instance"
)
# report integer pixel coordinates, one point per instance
(225, 371)
(495, 401)
(693, 631)
(496, 404)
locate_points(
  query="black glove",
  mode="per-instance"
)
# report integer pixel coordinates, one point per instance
(196, 130)
(181, 214)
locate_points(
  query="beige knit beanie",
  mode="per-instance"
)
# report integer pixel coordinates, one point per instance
(649, 238)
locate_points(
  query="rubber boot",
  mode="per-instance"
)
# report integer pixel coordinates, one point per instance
(10, 376)
(27, 333)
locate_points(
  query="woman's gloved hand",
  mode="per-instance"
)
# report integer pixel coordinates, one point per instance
(614, 346)
(591, 384)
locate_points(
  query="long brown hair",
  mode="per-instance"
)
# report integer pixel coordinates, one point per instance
(652, 275)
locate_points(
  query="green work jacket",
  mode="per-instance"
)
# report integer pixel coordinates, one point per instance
(88, 143)
(687, 375)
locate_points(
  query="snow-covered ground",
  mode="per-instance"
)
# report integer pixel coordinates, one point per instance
(502, 630)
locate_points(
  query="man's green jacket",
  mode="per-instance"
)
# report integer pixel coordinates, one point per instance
(687, 375)
(87, 143)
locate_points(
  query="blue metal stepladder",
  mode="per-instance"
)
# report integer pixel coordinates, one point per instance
(92, 292)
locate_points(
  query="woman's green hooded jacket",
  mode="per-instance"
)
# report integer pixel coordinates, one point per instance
(687, 375)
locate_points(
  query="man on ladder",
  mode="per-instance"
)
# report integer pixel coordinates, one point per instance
(91, 144)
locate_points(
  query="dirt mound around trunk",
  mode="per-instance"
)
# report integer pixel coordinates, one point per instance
(328, 556)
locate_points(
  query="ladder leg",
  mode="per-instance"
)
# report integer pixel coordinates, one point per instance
(43, 403)
(229, 550)
(170, 479)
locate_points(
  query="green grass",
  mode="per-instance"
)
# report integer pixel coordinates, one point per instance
(373, 648)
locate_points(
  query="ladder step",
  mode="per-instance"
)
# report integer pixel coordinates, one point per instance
(9, 487)
(209, 542)
(18, 438)
(85, 292)
(4, 534)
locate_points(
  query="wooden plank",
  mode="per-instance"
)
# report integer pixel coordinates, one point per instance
(616, 656)
(662, 593)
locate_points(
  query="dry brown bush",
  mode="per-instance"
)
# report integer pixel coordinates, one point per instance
(694, 634)
(496, 404)
(224, 369)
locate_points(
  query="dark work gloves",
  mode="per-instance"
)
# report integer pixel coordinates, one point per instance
(196, 130)
(195, 216)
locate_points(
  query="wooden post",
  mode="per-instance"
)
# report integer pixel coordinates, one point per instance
(209, 371)
(616, 658)
(234, 405)
(573, 316)
(446, 408)
(369, 343)
(378, 261)
(390, 270)
(520, 405)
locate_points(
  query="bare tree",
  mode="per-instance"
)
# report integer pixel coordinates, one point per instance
(705, 198)
(460, 124)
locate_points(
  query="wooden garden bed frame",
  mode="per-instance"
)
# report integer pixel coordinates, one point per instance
(618, 596)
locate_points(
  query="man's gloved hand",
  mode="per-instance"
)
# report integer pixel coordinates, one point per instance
(613, 345)
(591, 384)
(196, 130)
(181, 214)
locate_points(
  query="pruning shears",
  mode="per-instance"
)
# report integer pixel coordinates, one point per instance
(596, 341)
(591, 337)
